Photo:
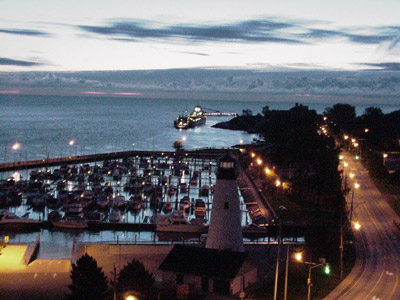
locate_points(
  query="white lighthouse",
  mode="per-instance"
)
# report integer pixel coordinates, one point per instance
(225, 230)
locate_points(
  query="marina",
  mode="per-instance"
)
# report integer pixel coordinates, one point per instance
(120, 194)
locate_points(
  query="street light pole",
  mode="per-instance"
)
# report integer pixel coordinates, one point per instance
(341, 245)
(309, 280)
(277, 260)
(286, 272)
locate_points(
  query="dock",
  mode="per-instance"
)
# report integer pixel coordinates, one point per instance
(44, 163)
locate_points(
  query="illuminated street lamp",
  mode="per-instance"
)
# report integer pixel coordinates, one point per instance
(253, 154)
(268, 171)
(16, 146)
(384, 159)
(366, 130)
(345, 164)
(298, 256)
(346, 137)
(278, 183)
(352, 175)
(71, 143)
(259, 162)
(357, 226)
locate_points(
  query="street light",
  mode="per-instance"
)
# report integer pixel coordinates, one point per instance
(16, 146)
(384, 158)
(357, 226)
(311, 266)
(298, 256)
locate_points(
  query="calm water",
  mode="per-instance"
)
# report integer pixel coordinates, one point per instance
(44, 125)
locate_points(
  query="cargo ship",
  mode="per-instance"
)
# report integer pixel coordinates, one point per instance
(196, 118)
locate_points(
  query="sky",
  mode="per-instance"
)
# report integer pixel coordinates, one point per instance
(79, 35)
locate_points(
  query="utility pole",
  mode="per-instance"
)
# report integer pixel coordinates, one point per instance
(277, 261)
(309, 280)
(286, 272)
(115, 283)
(341, 245)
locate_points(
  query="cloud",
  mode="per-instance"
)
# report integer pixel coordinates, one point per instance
(22, 63)
(247, 31)
(389, 66)
(363, 83)
(196, 53)
(28, 32)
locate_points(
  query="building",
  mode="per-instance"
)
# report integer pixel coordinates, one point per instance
(225, 230)
(202, 270)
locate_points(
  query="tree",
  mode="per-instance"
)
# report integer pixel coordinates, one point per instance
(178, 145)
(247, 112)
(88, 280)
(341, 115)
(136, 279)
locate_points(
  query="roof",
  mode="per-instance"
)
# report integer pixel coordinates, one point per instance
(203, 261)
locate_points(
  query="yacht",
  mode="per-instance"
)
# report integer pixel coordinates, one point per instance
(177, 222)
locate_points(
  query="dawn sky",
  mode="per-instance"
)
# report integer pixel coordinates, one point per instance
(77, 35)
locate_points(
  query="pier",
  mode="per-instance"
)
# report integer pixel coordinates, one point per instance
(44, 163)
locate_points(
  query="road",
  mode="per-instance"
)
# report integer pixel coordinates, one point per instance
(375, 275)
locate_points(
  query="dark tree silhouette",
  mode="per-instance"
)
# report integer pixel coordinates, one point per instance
(135, 278)
(88, 280)
(178, 145)
(341, 116)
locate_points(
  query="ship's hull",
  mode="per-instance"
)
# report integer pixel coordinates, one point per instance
(190, 123)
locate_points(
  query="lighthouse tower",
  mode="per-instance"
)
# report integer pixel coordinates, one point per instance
(225, 230)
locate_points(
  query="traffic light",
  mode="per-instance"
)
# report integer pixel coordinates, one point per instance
(327, 269)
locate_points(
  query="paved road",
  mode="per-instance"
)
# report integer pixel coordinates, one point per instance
(376, 272)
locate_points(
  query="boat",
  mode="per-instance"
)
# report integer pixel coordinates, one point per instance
(196, 118)
(177, 222)
(119, 202)
(74, 209)
(200, 208)
(54, 216)
(94, 217)
(71, 222)
(11, 220)
(204, 191)
(115, 215)
(167, 207)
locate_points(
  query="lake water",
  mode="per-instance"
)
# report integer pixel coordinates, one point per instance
(44, 125)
